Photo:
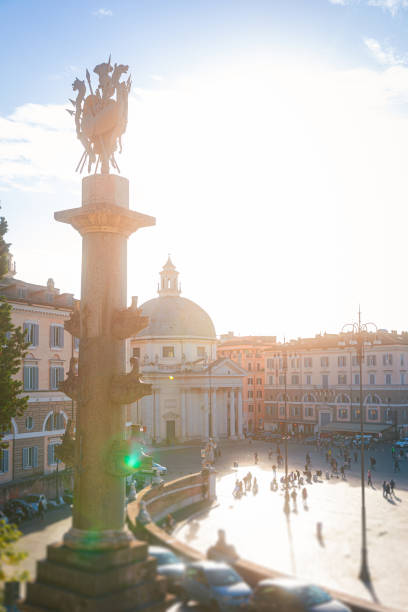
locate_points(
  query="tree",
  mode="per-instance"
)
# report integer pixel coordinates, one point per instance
(13, 348)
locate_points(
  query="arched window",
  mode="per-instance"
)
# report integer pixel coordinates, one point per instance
(55, 421)
(309, 398)
(342, 399)
(373, 399)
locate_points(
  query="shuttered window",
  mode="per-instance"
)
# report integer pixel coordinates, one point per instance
(56, 376)
(55, 421)
(4, 461)
(57, 336)
(30, 457)
(32, 332)
(52, 460)
(30, 377)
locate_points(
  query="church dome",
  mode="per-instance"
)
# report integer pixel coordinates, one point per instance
(172, 315)
(176, 316)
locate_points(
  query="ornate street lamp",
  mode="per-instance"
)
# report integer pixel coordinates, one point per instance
(360, 333)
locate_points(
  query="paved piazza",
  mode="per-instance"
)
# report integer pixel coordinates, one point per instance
(261, 533)
(258, 528)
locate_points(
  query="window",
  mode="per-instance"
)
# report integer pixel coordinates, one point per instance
(356, 379)
(387, 359)
(31, 332)
(270, 363)
(30, 457)
(57, 336)
(342, 413)
(372, 379)
(308, 362)
(259, 394)
(325, 380)
(201, 351)
(76, 344)
(295, 411)
(258, 366)
(402, 381)
(342, 379)
(51, 458)
(4, 460)
(250, 394)
(282, 410)
(168, 351)
(250, 381)
(259, 381)
(356, 414)
(294, 363)
(309, 411)
(55, 421)
(402, 359)
(342, 361)
(270, 380)
(22, 293)
(354, 361)
(324, 362)
(308, 379)
(56, 376)
(274, 411)
(282, 379)
(250, 408)
(295, 379)
(372, 414)
(29, 423)
(49, 297)
(371, 360)
(136, 352)
(259, 408)
(388, 379)
(342, 399)
(30, 377)
(249, 367)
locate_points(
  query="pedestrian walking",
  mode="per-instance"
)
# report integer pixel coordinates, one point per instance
(369, 481)
(270, 455)
(393, 451)
(274, 470)
(256, 458)
(342, 472)
(327, 457)
(355, 456)
(384, 486)
(304, 495)
(41, 509)
(387, 490)
(294, 496)
(396, 466)
(392, 486)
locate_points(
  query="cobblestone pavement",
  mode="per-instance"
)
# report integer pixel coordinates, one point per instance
(259, 529)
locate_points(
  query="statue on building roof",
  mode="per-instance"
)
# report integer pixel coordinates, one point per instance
(101, 117)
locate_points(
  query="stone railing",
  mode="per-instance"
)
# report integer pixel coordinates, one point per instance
(199, 488)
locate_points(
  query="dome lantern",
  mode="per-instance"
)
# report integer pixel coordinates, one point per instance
(169, 280)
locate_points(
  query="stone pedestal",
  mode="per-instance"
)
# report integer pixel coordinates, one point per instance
(100, 566)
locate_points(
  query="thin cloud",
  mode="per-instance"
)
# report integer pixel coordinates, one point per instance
(392, 6)
(103, 12)
(384, 55)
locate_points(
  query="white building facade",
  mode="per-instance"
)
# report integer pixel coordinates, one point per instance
(194, 394)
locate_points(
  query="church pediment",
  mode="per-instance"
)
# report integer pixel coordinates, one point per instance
(226, 367)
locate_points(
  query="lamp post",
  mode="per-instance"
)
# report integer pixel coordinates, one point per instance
(360, 333)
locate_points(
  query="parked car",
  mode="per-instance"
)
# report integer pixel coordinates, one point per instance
(291, 595)
(161, 469)
(14, 515)
(216, 585)
(170, 566)
(68, 497)
(34, 501)
(14, 505)
(402, 444)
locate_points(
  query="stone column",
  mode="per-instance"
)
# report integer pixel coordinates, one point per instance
(206, 412)
(232, 414)
(100, 566)
(240, 413)
(157, 419)
(183, 414)
(214, 415)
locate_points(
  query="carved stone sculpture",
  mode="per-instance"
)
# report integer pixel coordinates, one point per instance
(101, 117)
(127, 388)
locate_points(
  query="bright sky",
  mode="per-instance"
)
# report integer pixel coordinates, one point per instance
(269, 139)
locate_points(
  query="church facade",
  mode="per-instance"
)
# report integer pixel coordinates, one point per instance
(194, 394)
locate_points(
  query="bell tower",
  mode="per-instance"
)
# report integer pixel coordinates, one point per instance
(169, 280)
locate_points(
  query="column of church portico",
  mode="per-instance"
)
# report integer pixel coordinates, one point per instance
(232, 414)
(183, 414)
(214, 414)
(156, 411)
(206, 413)
(240, 413)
